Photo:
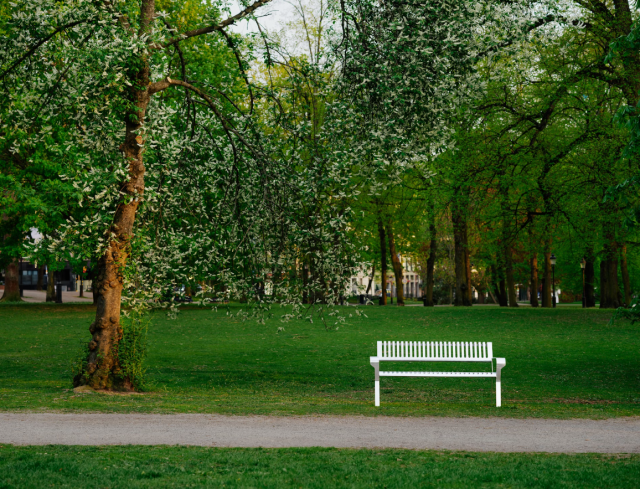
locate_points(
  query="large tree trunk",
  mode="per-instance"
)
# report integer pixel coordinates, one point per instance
(51, 285)
(397, 265)
(625, 275)
(609, 288)
(546, 281)
(431, 261)
(383, 263)
(12, 282)
(590, 279)
(533, 300)
(40, 277)
(511, 286)
(103, 370)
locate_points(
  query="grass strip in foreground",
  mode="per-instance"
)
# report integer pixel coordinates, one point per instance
(140, 466)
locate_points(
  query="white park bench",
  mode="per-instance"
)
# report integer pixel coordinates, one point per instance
(436, 351)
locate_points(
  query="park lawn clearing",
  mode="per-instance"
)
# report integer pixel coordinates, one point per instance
(561, 363)
(162, 466)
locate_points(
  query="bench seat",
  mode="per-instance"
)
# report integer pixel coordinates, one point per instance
(437, 351)
(437, 374)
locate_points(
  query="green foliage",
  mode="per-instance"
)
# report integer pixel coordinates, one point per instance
(132, 348)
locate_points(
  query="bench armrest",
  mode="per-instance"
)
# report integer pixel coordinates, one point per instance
(373, 360)
(501, 362)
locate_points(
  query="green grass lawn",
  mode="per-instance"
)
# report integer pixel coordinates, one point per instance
(561, 363)
(137, 467)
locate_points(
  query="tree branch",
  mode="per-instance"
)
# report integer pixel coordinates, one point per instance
(167, 82)
(38, 44)
(212, 28)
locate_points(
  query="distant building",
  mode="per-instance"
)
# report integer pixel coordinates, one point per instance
(410, 278)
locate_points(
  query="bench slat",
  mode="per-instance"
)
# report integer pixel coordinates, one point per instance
(435, 350)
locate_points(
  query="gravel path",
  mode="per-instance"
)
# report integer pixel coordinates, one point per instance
(620, 435)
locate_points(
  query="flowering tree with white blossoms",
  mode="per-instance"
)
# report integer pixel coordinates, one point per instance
(180, 182)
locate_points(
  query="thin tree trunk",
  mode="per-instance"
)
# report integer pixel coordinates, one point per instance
(459, 221)
(491, 288)
(590, 279)
(373, 272)
(397, 265)
(625, 275)
(103, 370)
(40, 277)
(51, 285)
(533, 300)
(546, 283)
(431, 261)
(12, 282)
(383, 263)
(481, 294)
(511, 286)
(497, 282)
(305, 282)
(467, 259)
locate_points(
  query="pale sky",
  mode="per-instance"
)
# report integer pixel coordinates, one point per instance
(270, 16)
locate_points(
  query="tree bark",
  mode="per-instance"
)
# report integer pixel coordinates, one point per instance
(546, 282)
(383, 263)
(397, 265)
(12, 281)
(40, 277)
(533, 300)
(625, 275)
(431, 261)
(103, 370)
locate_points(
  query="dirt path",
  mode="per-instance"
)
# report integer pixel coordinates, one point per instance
(620, 435)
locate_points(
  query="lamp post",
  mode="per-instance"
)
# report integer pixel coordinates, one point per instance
(583, 264)
(553, 279)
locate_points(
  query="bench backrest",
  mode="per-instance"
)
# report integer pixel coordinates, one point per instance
(437, 351)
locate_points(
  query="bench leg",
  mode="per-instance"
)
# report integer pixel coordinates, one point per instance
(376, 367)
(499, 384)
